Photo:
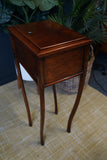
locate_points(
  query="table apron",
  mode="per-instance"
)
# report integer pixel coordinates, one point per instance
(62, 65)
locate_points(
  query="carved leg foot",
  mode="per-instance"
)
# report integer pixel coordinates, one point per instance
(81, 85)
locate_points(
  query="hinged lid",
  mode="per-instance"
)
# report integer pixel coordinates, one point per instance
(48, 35)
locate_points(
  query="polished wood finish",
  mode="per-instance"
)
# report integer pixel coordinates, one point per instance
(21, 85)
(50, 53)
(55, 99)
(81, 86)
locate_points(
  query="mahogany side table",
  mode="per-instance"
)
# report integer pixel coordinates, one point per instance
(50, 53)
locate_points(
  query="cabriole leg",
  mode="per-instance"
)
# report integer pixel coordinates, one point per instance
(55, 99)
(81, 86)
(23, 92)
(42, 115)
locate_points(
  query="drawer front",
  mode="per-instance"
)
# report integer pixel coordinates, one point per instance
(62, 65)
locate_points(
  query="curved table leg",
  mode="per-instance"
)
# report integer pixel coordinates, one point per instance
(23, 92)
(42, 107)
(55, 99)
(81, 86)
(19, 83)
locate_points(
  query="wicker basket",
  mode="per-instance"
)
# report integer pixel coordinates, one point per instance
(71, 85)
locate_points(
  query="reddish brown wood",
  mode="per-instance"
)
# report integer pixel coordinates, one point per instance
(18, 81)
(60, 38)
(42, 100)
(63, 65)
(55, 99)
(50, 53)
(42, 115)
(81, 86)
(23, 92)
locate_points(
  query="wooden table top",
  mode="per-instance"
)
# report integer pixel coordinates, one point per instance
(48, 36)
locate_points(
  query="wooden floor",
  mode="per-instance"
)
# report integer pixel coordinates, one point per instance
(18, 141)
